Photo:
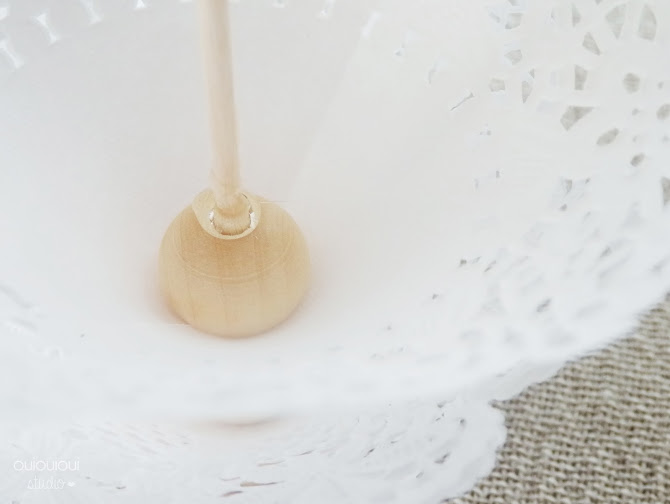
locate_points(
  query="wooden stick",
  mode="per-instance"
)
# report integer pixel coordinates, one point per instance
(227, 266)
(215, 32)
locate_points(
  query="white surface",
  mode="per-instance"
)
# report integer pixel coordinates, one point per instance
(460, 224)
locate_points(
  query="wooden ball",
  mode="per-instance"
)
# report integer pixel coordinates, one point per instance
(234, 286)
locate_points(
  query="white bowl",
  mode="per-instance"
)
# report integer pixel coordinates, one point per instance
(482, 185)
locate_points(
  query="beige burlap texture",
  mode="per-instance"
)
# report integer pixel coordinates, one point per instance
(597, 432)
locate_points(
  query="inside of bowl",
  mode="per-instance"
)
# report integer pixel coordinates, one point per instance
(370, 122)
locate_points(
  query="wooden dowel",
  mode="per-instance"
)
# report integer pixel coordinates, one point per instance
(230, 263)
(215, 32)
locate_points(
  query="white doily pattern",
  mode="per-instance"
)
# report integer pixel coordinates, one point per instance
(541, 215)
